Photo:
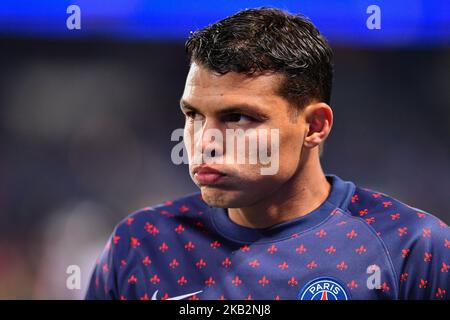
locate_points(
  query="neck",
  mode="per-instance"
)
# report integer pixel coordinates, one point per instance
(305, 191)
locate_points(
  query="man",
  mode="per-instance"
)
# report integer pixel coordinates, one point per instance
(294, 233)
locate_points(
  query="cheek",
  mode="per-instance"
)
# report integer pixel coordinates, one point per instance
(188, 138)
(290, 151)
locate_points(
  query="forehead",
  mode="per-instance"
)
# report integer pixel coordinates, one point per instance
(204, 87)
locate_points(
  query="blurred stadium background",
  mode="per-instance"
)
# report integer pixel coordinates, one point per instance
(86, 117)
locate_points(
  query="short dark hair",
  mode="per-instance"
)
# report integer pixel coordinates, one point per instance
(268, 40)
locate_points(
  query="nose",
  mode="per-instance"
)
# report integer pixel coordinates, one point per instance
(209, 139)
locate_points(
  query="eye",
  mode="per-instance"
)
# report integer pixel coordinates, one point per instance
(238, 118)
(192, 115)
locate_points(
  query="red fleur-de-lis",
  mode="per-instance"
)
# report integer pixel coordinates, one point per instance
(199, 225)
(183, 209)
(155, 279)
(168, 203)
(404, 277)
(301, 249)
(440, 293)
(335, 212)
(283, 266)
(145, 297)
(445, 267)
(341, 223)
(130, 220)
(272, 249)
(395, 216)
(123, 298)
(447, 243)
(292, 282)
(352, 234)
(163, 247)
(134, 242)
(244, 248)
(226, 263)
(421, 215)
(236, 281)
(194, 297)
(179, 229)
(376, 195)
(174, 263)
(330, 250)
(150, 228)
(370, 220)
(165, 296)
(363, 212)
(427, 256)
(402, 231)
(264, 281)
(277, 297)
(423, 283)
(116, 239)
(355, 198)
(384, 287)
(132, 279)
(210, 282)
(426, 233)
(249, 297)
(295, 235)
(146, 261)
(254, 263)
(387, 204)
(405, 253)
(342, 266)
(311, 265)
(167, 214)
(215, 244)
(182, 281)
(352, 285)
(361, 249)
(123, 263)
(321, 233)
(105, 268)
(189, 246)
(200, 263)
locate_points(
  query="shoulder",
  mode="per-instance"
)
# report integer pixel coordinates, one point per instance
(417, 242)
(134, 236)
(393, 219)
(152, 220)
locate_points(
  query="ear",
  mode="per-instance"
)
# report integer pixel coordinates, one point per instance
(319, 120)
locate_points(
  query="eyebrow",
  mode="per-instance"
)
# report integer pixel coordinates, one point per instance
(235, 108)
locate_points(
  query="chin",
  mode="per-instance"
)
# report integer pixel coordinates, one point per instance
(224, 198)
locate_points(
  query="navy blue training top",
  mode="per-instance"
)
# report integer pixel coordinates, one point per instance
(359, 244)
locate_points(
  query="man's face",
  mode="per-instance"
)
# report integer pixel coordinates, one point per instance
(220, 103)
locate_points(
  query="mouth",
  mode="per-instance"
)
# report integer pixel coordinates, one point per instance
(206, 175)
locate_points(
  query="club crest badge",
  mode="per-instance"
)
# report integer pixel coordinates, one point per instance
(323, 288)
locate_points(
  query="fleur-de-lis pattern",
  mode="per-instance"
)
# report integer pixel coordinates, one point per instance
(186, 246)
